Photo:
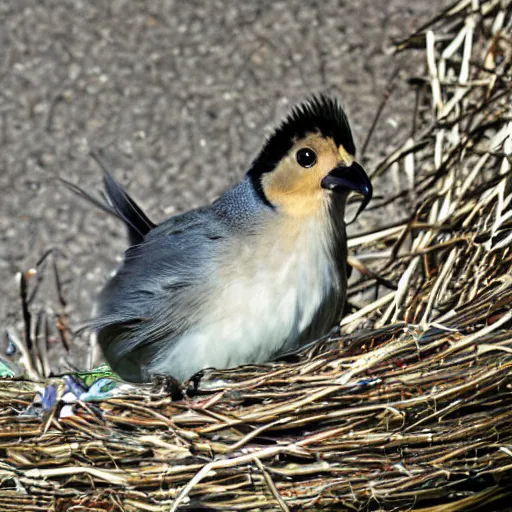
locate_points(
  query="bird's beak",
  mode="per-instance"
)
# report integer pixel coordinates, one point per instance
(351, 177)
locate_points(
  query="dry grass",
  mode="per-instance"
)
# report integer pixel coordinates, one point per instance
(411, 407)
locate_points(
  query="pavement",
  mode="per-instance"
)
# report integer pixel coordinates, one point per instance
(178, 97)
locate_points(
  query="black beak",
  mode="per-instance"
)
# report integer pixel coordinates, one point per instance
(353, 178)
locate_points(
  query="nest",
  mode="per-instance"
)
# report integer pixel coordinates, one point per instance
(410, 407)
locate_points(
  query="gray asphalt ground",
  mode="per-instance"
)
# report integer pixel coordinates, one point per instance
(178, 96)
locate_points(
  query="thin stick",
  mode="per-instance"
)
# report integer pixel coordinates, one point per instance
(390, 87)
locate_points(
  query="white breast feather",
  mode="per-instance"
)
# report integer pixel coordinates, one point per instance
(269, 297)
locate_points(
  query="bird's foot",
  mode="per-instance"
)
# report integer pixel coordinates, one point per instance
(166, 384)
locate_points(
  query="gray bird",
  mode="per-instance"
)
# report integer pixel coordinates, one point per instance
(260, 271)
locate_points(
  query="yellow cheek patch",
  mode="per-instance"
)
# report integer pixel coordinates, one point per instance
(296, 190)
(298, 195)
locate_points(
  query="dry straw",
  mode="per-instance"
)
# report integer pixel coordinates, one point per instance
(411, 407)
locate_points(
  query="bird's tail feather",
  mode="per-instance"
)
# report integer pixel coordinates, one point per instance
(117, 203)
(127, 209)
(80, 192)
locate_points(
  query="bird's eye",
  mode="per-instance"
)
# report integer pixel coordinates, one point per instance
(306, 157)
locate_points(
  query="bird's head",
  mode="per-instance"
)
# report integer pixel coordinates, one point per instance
(309, 161)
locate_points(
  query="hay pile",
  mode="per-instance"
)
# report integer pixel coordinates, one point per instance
(411, 407)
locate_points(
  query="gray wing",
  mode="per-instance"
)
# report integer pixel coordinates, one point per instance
(149, 303)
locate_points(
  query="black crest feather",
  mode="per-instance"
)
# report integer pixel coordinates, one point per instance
(321, 114)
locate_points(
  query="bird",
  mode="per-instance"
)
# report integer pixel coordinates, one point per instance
(260, 271)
